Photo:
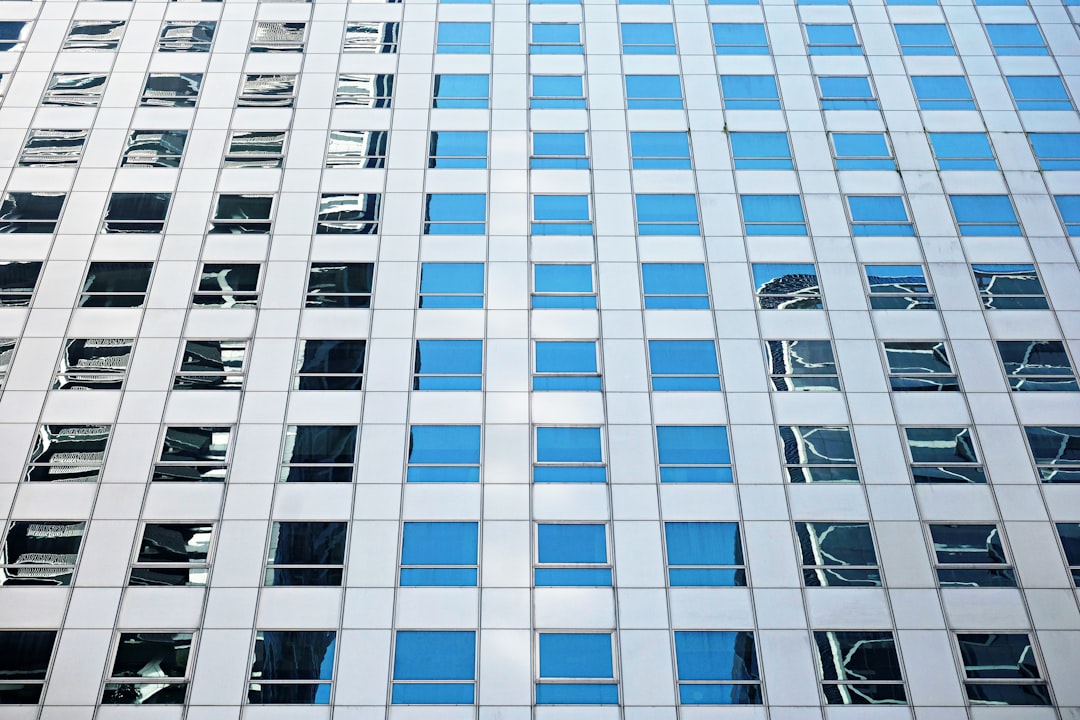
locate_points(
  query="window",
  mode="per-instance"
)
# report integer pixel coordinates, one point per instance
(24, 661)
(463, 37)
(173, 555)
(451, 285)
(558, 150)
(74, 90)
(1054, 151)
(683, 365)
(681, 286)
(846, 93)
(255, 149)
(211, 365)
(569, 454)
(693, 453)
(434, 667)
(837, 554)
(943, 455)
(565, 365)
(341, 285)
(772, 215)
(572, 555)
(1056, 451)
(31, 212)
(116, 284)
(1069, 534)
(1016, 39)
(318, 453)
(7, 353)
(818, 453)
(555, 39)
(667, 215)
(1009, 287)
(796, 365)
(1037, 365)
(444, 453)
(832, 40)
(556, 91)
(457, 149)
(1001, 669)
(750, 92)
(129, 212)
(920, 366)
(242, 214)
(704, 554)
(329, 365)
(357, 149)
(193, 454)
(859, 668)
(461, 91)
(13, 37)
(53, 148)
(94, 35)
(898, 287)
(372, 37)
(455, 214)
(648, 38)
(739, 39)
(171, 90)
(149, 668)
(305, 553)
(1038, 92)
(717, 668)
(660, 150)
(228, 285)
(561, 215)
(292, 667)
(981, 215)
(924, 39)
(1069, 208)
(962, 151)
(348, 214)
(879, 215)
(653, 92)
(186, 36)
(17, 282)
(439, 554)
(942, 92)
(359, 90)
(40, 552)
(576, 669)
(786, 286)
(563, 286)
(67, 453)
(448, 365)
(761, 151)
(267, 91)
(154, 148)
(970, 556)
(278, 37)
(861, 151)
(93, 364)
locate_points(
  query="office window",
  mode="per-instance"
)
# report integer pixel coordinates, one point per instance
(329, 365)
(832, 40)
(1069, 535)
(455, 214)
(171, 90)
(981, 215)
(837, 554)
(40, 552)
(228, 285)
(683, 365)
(131, 212)
(13, 37)
(18, 279)
(211, 365)
(1038, 92)
(821, 2)
(666, 215)
(1054, 151)
(278, 37)
(970, 556)
(358, 90)
(717, 668)
(1069, 208)
(576, 669)
(563, 286)
(859, 668)
(457, 149)
(648, 38)
(653, 92)
(1001, 669)
(561, 215)
(357, 149)
(434, 667)
(292, 667)
(116, 284)
(461, 91)
(750, 92)
(305, 553)
(149, 668)
(1009, 287)
(572, 555)
(74, 90)
(439, 554)
(786, 286)
(879, 215)
(558, 150)
(255, 149)
(898, 287)
(242, 214)
(565, 365)
(962, 151)
(173, 555)
(93, 364)
(343, 285)
(1016, 39)
(924, 39)
(922, 366)
(31, 212)
(818, 453)
(796, 365)
(448, 365)
(861, 151)
(154, 148)
(348, 214)
(772, 215)
(24, 661)
(7, 353)
(318, 453)
(943, 92)
(278, 90)
(556, 91)
(67, 453)
(372, 37)
(693, 453)
(1056, 451)
(444, 453)
(704, 554)
(944, 455)
(463, 37)
(53, 148)
(680, 286)
(193, 454)
(660, 150)
(569, 454)
(451, 285)
(761, 151)
(846, 93)
(186, 36)
(555, 39)
(1037, 365)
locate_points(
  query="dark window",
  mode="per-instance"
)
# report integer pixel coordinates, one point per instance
(24, 663)
(898, 287)
(1069, 534)
(154, 148)
(17, 282)
(922, 366)
(186, 36)
(306, 553)
(345, 285)
(136, 212)
(1009, 287)
(372, 37)
(68, 453)
(278, 37)
(193, 454)
(53, 148)
(329, 365)
(796, 365)
(116, 284)
(171, 90)
(783, 286)
(40, 552)
(837, 554)
(859, 668)
(970, 556)
(1001, 669)
(30, 212)
(1056, 451)
(94, 363)
(348, 214)
(242, 214)
(364, 91)
(818, 453)
(173, 554)
(74, 90)
(255, 149)
(943, 455)
(292, 667)
(267, 91)
(1037, 365)
(318, 453)
(211, 365)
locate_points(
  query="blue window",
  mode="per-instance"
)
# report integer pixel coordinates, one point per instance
(675, 286)
(772, 215)
(660, 150)
(667, 215)
(962, 151)
(451, 285)
(461, 91)
(564, 286)
(898, 287)
(558, 150)
(434, 667)
(644, 2)
(457, 149)
(717, 668)
(466, 2)
(984, 215)
(734, 2)
(554, 2)
(569, 454)
(693, 453)
(572, 556)
(862, 151)
(448, 365)
(653, 92)
(750, 92)
(704, 554)
(1012, 2)
(1038, 92)
(648, 39)
(565, 365)
(683, 365)
(943, 92)
(561, 215)
(924, 39)
(1069, 207)
(1009, 39)
(1009, 287)
(464, 37)
(832, 40)
(576, 669)
(915, 2)
(439, 554)
(557, 91)
(740, 39)
(444, 453)
(455, 214)
(821, 2)
(1056, 151)
(846, 93)
(879, 215)
(555, 39)
(786, 286)
(761, 151)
